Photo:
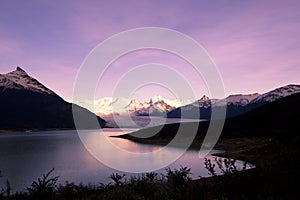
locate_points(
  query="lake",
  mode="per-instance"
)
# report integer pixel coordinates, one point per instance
(26, 156)
(142, 121)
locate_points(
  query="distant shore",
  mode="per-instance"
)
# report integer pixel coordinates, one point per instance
(32, 130)
(40, 130)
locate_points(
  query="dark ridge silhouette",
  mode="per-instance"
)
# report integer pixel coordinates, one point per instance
(276, 118)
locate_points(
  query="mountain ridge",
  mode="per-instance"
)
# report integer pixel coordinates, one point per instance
(236, 104)
(156, 105)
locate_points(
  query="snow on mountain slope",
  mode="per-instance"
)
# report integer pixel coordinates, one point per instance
(26, 104)
(276, 94)
(236, 104)
(135, 106)
(205, 101)
(19, 79)
(172, 102)
(105, 106)
(159, 105)
(156, 105)
(245, 99)
(158, 108)
(237, 99)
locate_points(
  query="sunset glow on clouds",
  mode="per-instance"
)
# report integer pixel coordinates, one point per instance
(255, 44)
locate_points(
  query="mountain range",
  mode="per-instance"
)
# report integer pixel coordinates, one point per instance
(156, 106)
(236, 104)
(26, 104)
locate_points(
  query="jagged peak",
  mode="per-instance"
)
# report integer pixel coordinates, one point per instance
(135, 102)
(20, 69)
(155, 98)
(19, 79)
(204, 98)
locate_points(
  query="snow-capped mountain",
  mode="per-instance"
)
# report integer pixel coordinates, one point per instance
(236, 99)
(236, 104)
(276, 94)
(26, 104)
(106, 106)
(172, 102)
(20, 80)
(204, 101)
(156, 105)
(136, 106)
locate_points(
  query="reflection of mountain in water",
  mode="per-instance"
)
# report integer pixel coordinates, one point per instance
(141, 121)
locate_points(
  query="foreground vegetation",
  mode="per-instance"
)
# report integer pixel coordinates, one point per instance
(172, 185)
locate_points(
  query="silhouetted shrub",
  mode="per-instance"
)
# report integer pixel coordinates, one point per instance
(43, 188)
(117, 178)
(225, 165)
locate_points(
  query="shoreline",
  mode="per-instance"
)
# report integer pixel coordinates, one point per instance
(42, 130)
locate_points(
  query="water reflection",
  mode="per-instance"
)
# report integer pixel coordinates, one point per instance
(141, 158)
(26, 156)
(142, 121)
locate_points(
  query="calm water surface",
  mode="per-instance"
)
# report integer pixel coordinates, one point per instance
(26, 156)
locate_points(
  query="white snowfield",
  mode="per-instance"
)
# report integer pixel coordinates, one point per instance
(109, 105)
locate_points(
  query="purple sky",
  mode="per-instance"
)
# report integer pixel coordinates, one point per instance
(255, 44)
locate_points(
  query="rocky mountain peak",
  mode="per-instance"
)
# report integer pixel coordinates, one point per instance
(20, 80)
(20, 69)
(204, 98)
